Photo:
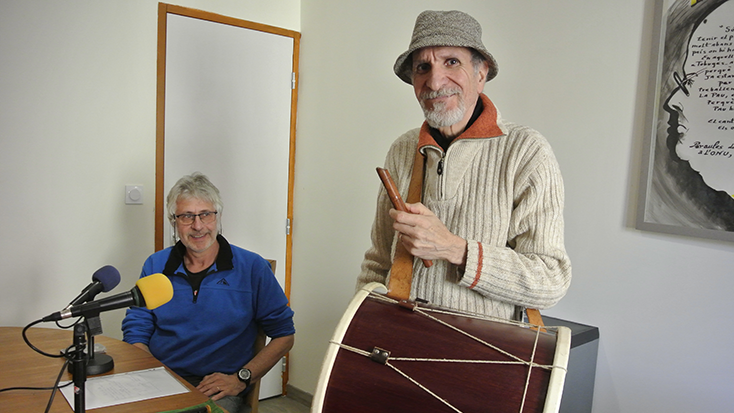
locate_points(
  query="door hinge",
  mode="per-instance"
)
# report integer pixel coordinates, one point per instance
(283, 364)
(293, 80)
(287, 226)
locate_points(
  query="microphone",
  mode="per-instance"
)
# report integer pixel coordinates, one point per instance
(103, 280)
(151, 292)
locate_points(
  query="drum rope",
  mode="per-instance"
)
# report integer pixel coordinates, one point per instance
(530, 370)
(397, 370)
(424, 388)
(424, 312)
(436, 360)
(465, 314)
(460, 331)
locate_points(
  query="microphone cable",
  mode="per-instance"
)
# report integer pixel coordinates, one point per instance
(34, 348)
(58, 379)
(53, 389)
(59, 325)
(67, 354)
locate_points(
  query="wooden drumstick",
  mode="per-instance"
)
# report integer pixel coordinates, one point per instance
(395, 198)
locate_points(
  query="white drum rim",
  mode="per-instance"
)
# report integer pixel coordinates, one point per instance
(332, 350)
(558, 373)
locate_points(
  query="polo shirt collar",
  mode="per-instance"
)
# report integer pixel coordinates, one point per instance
(223, 262)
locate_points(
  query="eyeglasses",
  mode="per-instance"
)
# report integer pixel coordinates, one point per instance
(205, 217)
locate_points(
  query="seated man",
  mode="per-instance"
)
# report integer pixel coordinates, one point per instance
(221, 295)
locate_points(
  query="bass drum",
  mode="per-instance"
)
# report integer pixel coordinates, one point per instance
(387, 356)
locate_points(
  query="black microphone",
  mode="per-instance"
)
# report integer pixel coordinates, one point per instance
(150, 292)
(103, 280)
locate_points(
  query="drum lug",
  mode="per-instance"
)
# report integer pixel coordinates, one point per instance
(379, 355)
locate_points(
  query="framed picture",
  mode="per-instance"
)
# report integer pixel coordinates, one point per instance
(687, 182)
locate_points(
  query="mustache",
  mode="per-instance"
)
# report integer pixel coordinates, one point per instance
(433, 94)
(198, 233)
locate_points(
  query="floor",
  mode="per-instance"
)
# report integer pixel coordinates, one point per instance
(283, 404)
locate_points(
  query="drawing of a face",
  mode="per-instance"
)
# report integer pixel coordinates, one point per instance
(701, 108)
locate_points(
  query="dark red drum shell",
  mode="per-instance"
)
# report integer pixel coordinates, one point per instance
(358, 384)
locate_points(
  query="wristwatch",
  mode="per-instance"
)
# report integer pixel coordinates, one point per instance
(244, 375)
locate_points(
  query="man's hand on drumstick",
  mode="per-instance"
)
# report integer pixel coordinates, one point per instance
(425, 236)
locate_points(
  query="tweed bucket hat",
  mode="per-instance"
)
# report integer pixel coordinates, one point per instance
(444, 28)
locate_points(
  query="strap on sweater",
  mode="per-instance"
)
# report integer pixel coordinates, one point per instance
(534, 317)
(401, 273)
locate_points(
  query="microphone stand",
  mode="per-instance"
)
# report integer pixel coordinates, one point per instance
(98, 362)
(79, 368)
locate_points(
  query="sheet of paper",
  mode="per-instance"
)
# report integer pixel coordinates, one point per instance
(128, 387)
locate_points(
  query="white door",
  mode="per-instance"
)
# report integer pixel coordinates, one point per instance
(227, 115)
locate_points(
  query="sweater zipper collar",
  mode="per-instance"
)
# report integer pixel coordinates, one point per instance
(486, 126)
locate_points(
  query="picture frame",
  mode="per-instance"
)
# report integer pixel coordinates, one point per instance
(687, 177)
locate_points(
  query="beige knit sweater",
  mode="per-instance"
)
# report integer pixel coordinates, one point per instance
(501, 190)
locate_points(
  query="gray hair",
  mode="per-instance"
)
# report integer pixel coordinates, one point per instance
(197, 186)
(477, 60)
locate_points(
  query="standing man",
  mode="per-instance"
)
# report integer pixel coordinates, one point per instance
(222, 294)
(491, 216)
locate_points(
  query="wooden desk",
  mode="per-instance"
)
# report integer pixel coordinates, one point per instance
(20, 366)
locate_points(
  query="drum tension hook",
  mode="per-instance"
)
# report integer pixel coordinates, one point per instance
(379, 355)
(409, 305)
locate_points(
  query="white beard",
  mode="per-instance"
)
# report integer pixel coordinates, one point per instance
(438, 116)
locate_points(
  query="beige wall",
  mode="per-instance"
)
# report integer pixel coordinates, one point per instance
(77, 123)
(577, 71)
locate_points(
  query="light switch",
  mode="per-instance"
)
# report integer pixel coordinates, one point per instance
(133, 194)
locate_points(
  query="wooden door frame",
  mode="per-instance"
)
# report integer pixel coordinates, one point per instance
(163, 11)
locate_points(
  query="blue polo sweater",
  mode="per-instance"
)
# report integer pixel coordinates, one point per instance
(213, 329)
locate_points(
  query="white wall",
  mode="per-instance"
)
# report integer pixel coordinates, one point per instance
(77, 123)
(577, 71)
